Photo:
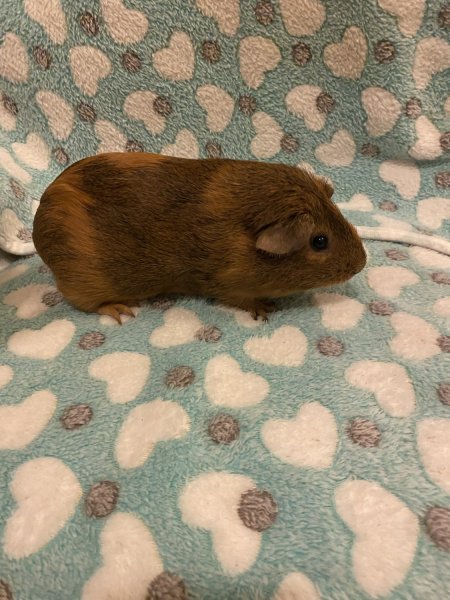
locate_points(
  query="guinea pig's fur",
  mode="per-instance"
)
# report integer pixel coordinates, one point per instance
(119, 228)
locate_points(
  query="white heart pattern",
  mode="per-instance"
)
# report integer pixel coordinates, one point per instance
(42, 344)
(13, 59)
(145, 426)
(403, 174)
(432, 56)
(89, 66)
(302, 17)
(21, 423)
(139, 106)
(389, 281)
(427, 146)
(302, 102)
(339, 152)
(433, 440)
(125, 374)
(34, 152)
(225, 12)
(176, 62)
(29, 300)
(11, 167)
(416, 339)
(125, 25)
(267, 141)
(357, 202)
(286, 347)
(409, 14)
(257, 55)
(111, 138)
(131, 560)
(50, 15)
(59, 113)
(431, 212)
(309, 440)
(6, 375)
(389, 382)
(386, 533)
(338, 312)
(185, 146)
(382, 108)
(347, 58)
(227, 385)
(47, 493)
(218, 104)
(210, 501)
(296, 586)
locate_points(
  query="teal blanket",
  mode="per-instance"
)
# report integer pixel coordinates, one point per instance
(193, 452)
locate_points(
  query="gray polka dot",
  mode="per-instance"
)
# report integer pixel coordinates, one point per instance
(213, 149)
(444, 16)
(209, 333)
(101, 499)
(384, 52)
(289, 143)
(17, 189)
(211, 51)
(264, 12)
(5, 591)
(442, 278)
(444, 343)
(413, 108)
(133, 146)
(162, 106)
(301, 54)
(86, 112)
(442, 179)
(370, 150)
(223, 429)
(60, 156)
(44, 269)
(52, 298)
(76, 416)
(89, 23)
(247, 105)
(381, 308)
(257, 509)
(330, 346)
(325, 103)
(24, 235)
(444, 393)
(9, 104)
(167, 586)
(180, 377)
(42, 57)
(444, 140)
(437, 523)
(93, 339)
(364, 433)
(388, 206)
(396, 254)
(161, 303)
(131, 61)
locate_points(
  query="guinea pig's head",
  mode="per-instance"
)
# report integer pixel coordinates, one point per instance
(305, 242)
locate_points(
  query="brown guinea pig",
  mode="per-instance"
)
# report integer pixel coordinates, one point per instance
(118, 228)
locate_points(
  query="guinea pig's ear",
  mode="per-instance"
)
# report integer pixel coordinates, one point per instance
(285, 237)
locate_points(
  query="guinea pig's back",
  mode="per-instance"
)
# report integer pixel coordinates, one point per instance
(128, 218)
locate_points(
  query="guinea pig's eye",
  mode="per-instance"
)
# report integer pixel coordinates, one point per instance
(319, 242)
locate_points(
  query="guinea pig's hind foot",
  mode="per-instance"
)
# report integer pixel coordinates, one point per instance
(115, 311)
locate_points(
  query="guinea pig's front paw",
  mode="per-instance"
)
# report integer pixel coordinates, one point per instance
(115, 311)
(260, 308)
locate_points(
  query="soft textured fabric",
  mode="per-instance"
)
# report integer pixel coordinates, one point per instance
(194, 452)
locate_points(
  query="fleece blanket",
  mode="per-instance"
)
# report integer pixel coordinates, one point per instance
(193, 452)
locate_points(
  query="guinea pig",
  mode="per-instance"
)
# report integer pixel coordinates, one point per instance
(118, 228)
